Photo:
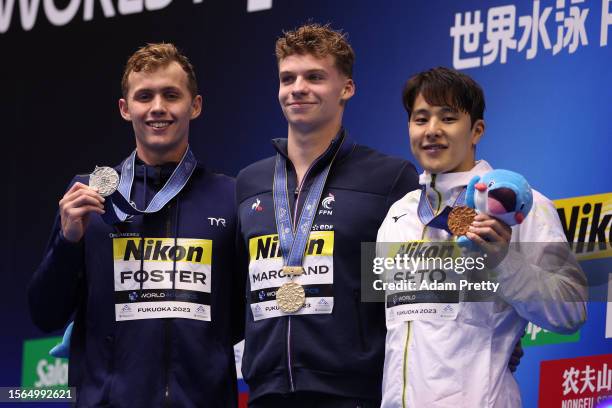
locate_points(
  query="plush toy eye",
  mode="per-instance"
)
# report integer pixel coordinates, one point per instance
(491, 183)
(522, 206)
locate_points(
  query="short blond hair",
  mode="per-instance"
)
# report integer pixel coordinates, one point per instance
(156, 55)
(319, 41)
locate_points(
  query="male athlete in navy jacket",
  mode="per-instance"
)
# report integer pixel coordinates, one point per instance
(329, 352)
(155, 303)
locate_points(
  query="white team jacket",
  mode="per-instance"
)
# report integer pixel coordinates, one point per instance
(463, 362)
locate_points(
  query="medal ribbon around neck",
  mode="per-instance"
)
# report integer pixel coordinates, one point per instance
(427, 215)
(119, 208)
(293, 243)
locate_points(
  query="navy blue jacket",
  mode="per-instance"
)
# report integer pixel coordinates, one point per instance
(149, 362)
(341, 353)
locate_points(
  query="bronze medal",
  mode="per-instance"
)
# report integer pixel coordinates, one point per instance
(459, 220)
(290, 297)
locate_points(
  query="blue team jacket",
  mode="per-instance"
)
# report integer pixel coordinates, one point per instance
(341, 352)
(149, 362)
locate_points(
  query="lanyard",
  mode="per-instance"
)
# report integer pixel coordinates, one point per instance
(293, 243)
(426, 212)
(119, 207)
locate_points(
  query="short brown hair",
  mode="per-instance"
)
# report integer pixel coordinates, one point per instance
(320, 41)
(445, 87)
(153, 56)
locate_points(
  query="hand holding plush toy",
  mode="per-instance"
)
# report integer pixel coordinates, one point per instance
(502, 194)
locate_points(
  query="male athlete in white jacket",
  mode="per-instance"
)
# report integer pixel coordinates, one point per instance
(457, 356)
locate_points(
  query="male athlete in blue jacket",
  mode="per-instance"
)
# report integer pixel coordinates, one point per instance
(155, 302)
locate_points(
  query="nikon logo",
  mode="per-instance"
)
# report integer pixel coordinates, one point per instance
(269, 248)
(155, 250)
(586, 222)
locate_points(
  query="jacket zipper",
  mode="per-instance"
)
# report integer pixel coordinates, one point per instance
(433, 187)
(167, 362)
(166, 353)
(297, 193)
(405, 365)
(408, 331)
(289, 370)
(359, 323)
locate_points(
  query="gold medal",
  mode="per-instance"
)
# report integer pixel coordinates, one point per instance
(290, 297)
(293, 270)
(459, 220)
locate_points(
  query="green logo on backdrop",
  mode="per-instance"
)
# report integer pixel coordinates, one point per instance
(39, 369)
(537, 336)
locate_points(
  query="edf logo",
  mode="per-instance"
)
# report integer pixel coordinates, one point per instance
(215, 222)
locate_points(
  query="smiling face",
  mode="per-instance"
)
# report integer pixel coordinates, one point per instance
(312, 92)
(160, 107)
(443, 139)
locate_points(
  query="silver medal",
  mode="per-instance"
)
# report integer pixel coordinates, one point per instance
(105, 180)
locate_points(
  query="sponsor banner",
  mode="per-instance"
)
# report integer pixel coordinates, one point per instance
(313, 305)
(39, 369)
(156, 295)
(576, 382)
(516, 30)
(71, 12)
(537, 336)
(162, 277)
(158, 310)
(266, 275)
(423, 311)
(586, 221)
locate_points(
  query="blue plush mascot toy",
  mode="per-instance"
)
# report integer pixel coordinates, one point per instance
(502, 194)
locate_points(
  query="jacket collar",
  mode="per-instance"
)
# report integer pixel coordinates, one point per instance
(449, 185)
(154, 174)
(341, 144)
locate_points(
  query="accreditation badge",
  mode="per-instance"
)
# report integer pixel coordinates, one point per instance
(267, 278)
(423, 284)
(162, 278)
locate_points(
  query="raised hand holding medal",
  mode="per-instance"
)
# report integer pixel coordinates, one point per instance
(81, 200)
(108, 194)
(117, 188)
(74, 208)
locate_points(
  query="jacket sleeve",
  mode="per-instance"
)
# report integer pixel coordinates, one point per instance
(53, 289)
(540, 276)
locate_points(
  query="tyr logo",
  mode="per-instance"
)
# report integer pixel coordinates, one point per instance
(216, 221)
